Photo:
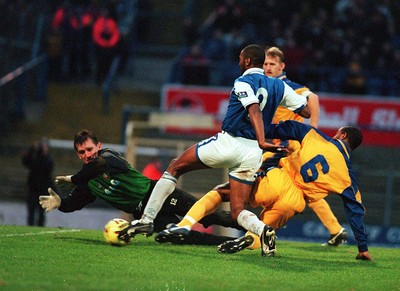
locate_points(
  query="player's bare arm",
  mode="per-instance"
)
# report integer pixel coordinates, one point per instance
(305, 112)
(313, 105)
(255, 116)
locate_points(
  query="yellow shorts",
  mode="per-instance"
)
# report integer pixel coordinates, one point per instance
(279, 197)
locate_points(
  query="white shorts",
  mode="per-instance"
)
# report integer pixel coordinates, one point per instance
(241, 156)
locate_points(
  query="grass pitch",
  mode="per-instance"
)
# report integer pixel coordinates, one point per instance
(34, 258)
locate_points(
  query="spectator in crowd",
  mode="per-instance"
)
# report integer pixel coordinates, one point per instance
(142, 20)
(106, 37)
(191, 32)
(215, 47)
(228, 18)
(319, 60)
(195, 67)
(69, 41)
(355, 81)
(40, 165)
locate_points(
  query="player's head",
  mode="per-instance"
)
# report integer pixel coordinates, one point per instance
(274, 63)
(86, 145)
(351, 135)
(252, 56)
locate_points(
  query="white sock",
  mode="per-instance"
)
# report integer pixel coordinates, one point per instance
(165, 186)
(250, 222)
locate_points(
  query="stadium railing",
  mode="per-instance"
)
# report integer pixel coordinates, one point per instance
(27, 83)
(109, 83)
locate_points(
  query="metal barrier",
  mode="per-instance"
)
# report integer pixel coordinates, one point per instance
(109, 82)
(26, 83)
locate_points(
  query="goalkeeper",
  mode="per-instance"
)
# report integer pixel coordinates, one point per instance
(107, 175)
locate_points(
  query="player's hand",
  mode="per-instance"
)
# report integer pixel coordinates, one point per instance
(364, 256)
(51, 202)
(270, 147)
(63, 179)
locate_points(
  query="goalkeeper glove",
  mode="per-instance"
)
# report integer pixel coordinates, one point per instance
(51, 202)
(63, 179)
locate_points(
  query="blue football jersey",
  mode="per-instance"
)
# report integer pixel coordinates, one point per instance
(254, 87)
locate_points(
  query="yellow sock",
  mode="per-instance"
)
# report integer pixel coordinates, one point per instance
(325, 214)
(205, 206)
(256, 241)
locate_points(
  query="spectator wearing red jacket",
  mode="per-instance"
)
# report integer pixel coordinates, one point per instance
(106, 37)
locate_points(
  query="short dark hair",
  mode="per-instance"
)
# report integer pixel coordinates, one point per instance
(354, 136)
(255, 53)
(83, 135)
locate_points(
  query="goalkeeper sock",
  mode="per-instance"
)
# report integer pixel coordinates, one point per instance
(205, 206)
(165, 186)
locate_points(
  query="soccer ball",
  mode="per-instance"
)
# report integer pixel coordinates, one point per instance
(112, 230)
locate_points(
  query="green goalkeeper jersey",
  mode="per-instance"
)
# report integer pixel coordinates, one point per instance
(111, 178)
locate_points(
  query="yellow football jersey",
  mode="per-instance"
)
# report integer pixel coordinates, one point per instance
(283, 113)
(321, 166)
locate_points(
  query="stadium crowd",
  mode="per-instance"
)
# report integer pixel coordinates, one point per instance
(323, 40)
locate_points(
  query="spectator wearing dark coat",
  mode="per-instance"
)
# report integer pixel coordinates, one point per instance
(40, 164)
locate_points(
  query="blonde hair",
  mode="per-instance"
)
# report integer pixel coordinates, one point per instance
(275, 52)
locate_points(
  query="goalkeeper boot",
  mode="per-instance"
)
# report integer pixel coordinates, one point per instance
(236, 245)
(267, 239)
(338, 238)
(173, 234)
(136, 227)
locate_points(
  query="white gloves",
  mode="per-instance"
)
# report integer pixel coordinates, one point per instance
(51, 202)
(63, 179)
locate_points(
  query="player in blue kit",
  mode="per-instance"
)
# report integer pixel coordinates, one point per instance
(238, 147)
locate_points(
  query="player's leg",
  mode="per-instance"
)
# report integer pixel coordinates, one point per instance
(337, 233)
(276, 217)
(164, 187)
(206, 205)
(179, 235)
(167, 183)
(249, 220)
(202, 211)
(281, 201)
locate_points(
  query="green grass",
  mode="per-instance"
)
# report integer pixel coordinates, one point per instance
(34, 258)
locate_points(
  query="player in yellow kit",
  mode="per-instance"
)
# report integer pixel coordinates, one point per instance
(321, 166)
(274, 66)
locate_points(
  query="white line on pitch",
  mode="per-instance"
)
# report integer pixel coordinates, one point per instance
(41, 232)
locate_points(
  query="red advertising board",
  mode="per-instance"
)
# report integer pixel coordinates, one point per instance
(379, 118)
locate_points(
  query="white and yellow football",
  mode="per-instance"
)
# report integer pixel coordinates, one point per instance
(112, 230)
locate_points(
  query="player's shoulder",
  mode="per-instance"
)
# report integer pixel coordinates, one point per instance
(110, 153)
(295, 86)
